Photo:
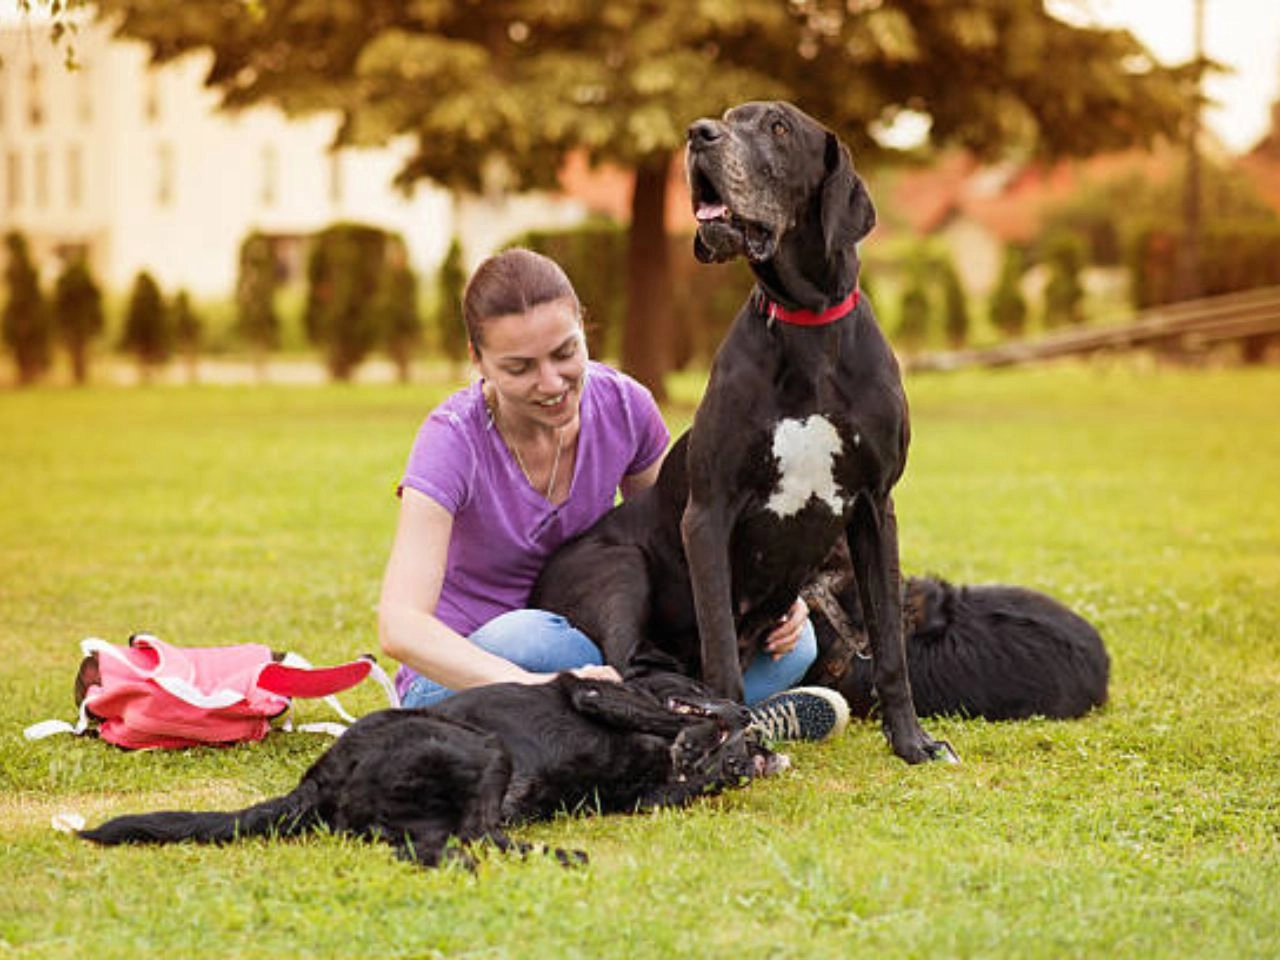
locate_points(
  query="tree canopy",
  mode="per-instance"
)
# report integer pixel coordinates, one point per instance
(494, 93)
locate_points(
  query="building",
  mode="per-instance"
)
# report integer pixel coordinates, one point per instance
(134, 166)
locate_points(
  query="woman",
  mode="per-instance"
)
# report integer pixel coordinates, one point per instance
(506, 470)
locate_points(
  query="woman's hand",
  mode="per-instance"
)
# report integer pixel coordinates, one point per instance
(593, 672)
(784, 637)
(589, 672)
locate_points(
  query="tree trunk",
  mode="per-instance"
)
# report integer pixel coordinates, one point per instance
(79, 364)
(646, 338)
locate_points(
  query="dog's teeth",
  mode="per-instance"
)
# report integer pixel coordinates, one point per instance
(711, 211)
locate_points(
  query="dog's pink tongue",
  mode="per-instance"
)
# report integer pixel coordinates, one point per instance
(711, 211)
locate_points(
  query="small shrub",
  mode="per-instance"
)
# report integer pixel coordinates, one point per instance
(915, 314)
(955, 305)
(395, 309)
(188, 332)
(146, 328)
(256, 319)
(451, 280)
(25, 323)
(1008, 305)
(78, 317)
(342, 275)
(1065, 256)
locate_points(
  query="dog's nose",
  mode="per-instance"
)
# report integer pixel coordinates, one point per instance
(704, 131)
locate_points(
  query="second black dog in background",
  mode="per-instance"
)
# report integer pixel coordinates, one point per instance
(998, 652)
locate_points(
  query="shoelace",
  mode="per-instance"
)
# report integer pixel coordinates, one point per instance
(780, 721)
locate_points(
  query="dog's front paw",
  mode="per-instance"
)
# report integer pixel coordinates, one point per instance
(919, 747)
(942, 751)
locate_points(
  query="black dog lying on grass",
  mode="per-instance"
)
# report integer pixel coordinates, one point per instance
(495, 755)
(998, 652)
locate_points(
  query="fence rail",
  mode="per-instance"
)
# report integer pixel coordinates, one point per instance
(1251, 318)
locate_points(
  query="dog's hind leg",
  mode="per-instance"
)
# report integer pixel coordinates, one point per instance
(873, 546)
(564, 856)
(483, 812)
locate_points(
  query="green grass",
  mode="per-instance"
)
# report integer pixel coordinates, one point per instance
(1148, 499)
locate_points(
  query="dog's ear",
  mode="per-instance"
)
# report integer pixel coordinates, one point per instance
(847, 212)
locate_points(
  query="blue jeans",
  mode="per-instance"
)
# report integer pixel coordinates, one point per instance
(543, 642)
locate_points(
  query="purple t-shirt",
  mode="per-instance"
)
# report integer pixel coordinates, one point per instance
(503, 529)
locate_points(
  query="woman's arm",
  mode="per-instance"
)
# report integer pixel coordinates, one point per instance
(646, 478)
(408, 629)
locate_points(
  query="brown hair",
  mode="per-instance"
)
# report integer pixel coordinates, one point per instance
(512, 282)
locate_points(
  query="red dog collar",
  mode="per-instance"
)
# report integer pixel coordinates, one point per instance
(807, 318)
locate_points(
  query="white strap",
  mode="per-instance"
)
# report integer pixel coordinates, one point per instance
(389, 688)
(332, 729)
(49, 728)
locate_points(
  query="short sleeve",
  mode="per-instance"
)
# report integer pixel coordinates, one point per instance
(442, 462)
(652, 435)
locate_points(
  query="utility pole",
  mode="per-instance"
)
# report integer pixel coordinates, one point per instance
(1189, 253)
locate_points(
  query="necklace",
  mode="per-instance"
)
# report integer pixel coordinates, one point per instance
(491, 404)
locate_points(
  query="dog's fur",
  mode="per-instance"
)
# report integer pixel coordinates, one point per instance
(799, 439)
(420, 778)
(994, 651)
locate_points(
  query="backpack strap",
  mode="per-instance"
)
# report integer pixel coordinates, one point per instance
(89, 646)
(295, 677)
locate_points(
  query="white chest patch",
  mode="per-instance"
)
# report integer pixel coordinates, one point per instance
(806, 451)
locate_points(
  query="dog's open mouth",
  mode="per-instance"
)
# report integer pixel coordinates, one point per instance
(768, 763)
(722, 233)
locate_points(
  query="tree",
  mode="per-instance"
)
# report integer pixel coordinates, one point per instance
(26, 319)
(1008, 305)
(256, 282)
(451, 280)
(146, 328)
(496, 94)
(342, 275)
(1065, 257)
(913, 325)
(395, 309)
(188, 331)
(955, 305)
(77, 312)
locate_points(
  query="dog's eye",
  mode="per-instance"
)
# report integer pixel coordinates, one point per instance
(780, 129)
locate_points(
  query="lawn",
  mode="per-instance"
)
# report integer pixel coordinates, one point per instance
(1148, 499)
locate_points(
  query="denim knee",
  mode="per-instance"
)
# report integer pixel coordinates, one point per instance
(534, 640)
(766, 676)
(537, 641)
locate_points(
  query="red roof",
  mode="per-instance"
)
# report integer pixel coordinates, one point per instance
(606, 189)
(1009, 201)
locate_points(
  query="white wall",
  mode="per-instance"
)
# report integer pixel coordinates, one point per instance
(217, 167)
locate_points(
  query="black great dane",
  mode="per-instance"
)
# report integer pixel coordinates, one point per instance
(798, 442)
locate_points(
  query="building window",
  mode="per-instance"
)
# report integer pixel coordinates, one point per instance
(84, 99)
(41, 175)
(13, 174)
(270, 173)
(75, 179)
(151, 97)
(335, 178)
(35, 98)
(164, 175)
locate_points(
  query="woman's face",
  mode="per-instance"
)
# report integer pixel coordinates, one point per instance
(536, 362)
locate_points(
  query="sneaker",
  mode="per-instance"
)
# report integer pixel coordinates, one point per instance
(801, 713)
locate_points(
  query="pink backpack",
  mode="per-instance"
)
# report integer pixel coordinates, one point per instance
(152, 694)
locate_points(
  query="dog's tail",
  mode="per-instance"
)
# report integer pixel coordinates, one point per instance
(294, 813)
